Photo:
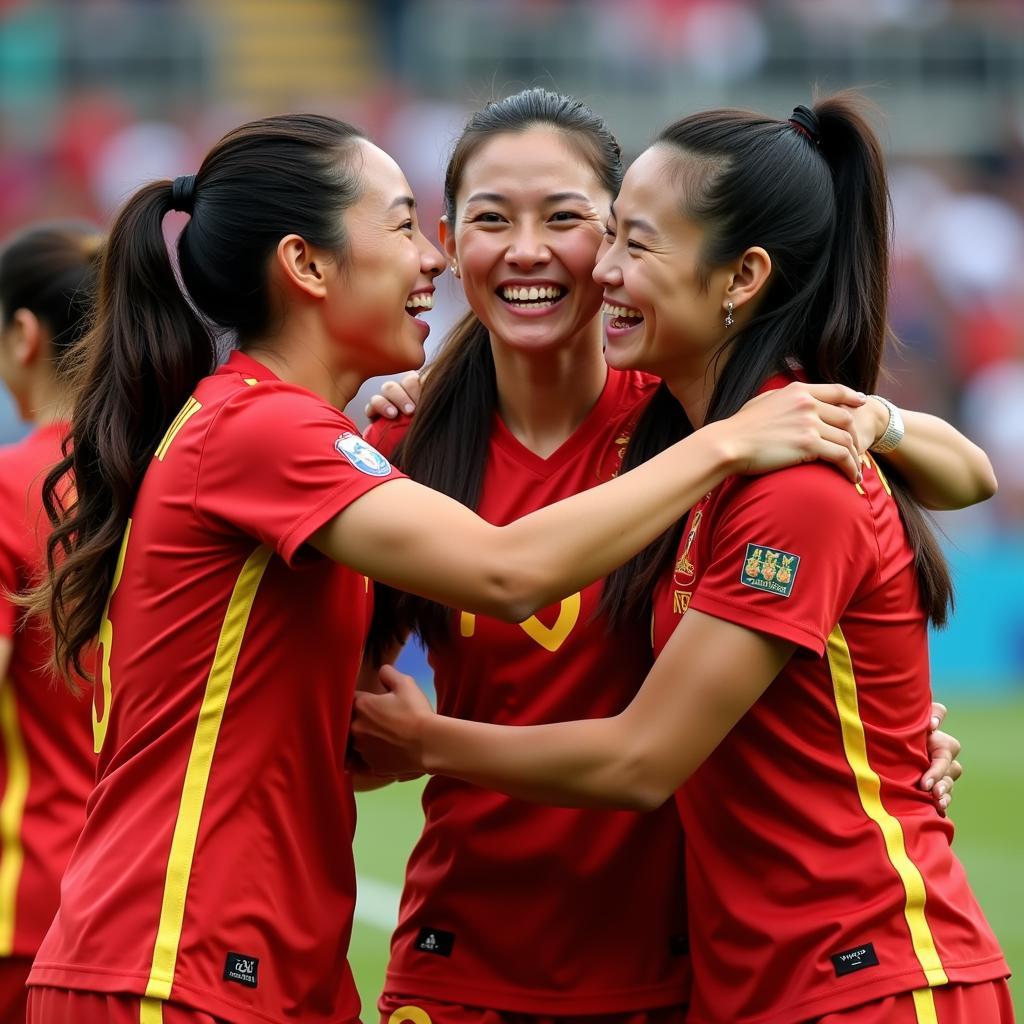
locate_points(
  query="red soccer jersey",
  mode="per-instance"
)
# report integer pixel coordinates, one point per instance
(509, 904)
(215, 867)
(47, 767)
(828, 880)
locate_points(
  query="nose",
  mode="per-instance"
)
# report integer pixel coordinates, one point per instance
(607, 271)
(432, 261)
(527, 249)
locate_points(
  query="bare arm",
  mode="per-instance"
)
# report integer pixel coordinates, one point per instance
(943, 469)
(636, 759)
(415, 539)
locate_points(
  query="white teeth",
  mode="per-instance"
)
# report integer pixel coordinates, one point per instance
(420, 302)
(531, 294)
(624, 311)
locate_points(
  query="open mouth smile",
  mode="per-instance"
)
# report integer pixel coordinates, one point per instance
(527, 297)
(622, 318)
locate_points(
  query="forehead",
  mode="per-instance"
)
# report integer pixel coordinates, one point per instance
(526, 164)
(651, 177)
(382, 178)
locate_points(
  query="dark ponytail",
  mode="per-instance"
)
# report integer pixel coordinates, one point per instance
(51, 269)
(812, 192)
(446, 447)
(151, 345)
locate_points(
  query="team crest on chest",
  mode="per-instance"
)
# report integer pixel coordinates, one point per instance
(769, 569)
(363, 456)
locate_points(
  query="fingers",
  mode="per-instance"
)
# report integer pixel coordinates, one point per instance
(394, 397)
(943, 750)
(392, 679)
(841, 452)
(938, 714)
(836, 394)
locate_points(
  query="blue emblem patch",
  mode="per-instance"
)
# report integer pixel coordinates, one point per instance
(363, 456)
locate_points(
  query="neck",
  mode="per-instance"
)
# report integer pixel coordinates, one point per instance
(693, 387)
(543, 397)
(301, 354)
(47, 403)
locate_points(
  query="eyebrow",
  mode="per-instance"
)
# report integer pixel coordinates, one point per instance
(403, 201)
(635, 222)
(555, 197)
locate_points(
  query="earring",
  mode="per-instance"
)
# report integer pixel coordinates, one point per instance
(729, 320)
(455, 267)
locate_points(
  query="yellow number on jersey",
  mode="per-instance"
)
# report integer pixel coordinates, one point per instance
(549, 637)
(106, 638)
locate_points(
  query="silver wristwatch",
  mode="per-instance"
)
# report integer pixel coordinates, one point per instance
(893, 432)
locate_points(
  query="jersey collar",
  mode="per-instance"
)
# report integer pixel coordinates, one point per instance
(245, 366)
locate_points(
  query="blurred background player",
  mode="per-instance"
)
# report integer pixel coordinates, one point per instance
(520, 410)
(47, 767)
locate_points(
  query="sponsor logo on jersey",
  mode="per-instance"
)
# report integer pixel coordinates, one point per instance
(855, 959)
(362, 455)
(433, 940)
(245, 970)
(769, 569)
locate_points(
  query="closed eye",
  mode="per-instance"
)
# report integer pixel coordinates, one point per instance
(487, 218)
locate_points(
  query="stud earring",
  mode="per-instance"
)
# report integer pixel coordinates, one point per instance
(729, 319)
(455, 267)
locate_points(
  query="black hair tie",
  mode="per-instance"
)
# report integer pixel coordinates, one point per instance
(805, 120)
(183, 192)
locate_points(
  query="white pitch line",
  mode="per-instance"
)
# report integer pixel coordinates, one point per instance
(377, 903)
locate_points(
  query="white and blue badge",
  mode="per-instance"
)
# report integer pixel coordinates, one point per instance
(363, 456)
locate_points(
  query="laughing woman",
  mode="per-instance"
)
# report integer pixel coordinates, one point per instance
(789, 700)
(224, 523)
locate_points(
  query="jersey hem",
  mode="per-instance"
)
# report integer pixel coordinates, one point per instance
(972, 972)
(99, 979)
(536, 1001)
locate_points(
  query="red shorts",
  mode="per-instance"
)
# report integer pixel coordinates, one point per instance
(402, 1010)
(13, 994)
(986, 1002)
(63, 1006)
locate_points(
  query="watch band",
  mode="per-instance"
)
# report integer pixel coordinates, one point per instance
(894, 431)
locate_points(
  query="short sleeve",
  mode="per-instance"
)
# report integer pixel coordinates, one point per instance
(788, 553)
(279, 463)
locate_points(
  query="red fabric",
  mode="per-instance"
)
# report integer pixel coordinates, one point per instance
(987, 1002)
(404, 1010)
(13, 994)
(785, 869)
(552, 910)
(60, 1006)
(272, 877)
(51, 727)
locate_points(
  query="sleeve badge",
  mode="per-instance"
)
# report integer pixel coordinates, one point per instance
(362, 455)
(769, 569)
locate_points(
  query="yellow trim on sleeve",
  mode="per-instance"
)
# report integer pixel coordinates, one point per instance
(189, 410)
(197, 773)
(12, 811)
(151, 1011)
(844, 684)
(924, 1006)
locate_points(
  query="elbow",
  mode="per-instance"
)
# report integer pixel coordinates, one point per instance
(514, 595)
(640, 785)
(988, 485)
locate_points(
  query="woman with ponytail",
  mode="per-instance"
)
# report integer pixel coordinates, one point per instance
(219, 539)
(47, 768)
(788, 704)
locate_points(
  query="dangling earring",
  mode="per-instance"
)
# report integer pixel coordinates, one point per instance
(455, 267)
(729, 320)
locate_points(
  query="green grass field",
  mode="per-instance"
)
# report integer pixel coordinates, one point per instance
(989, 840)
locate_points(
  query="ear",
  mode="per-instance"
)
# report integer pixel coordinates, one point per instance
(748, 278)
(302, 266)
(446, 236)
(27, 333)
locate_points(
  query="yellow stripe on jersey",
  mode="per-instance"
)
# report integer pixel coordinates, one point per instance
(881, 475)
(12, 810)
(924, 1006)
(197, 773)
(410, 1015)
(869, 786)
(151, 1011)
(106, 639)
(189, 410)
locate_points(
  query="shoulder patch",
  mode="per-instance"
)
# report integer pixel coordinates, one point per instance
(362, 455)
(769, 569)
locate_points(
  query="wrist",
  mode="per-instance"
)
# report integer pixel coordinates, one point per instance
(726, 451)
(430, 735)
(892, 429)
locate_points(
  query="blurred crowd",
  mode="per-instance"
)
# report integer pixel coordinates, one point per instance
(97, 96)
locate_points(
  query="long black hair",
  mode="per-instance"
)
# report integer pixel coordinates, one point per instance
(812, 192)
(446, 446)
(151, 344)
